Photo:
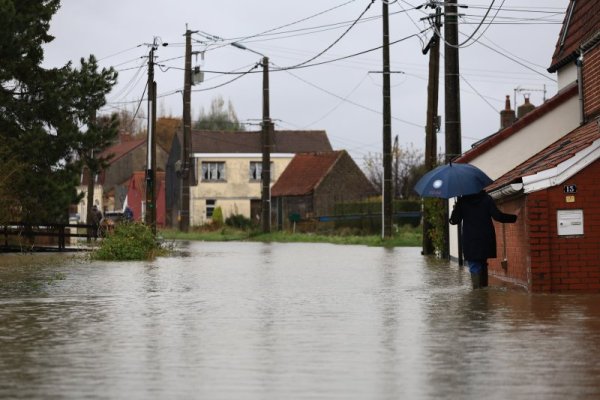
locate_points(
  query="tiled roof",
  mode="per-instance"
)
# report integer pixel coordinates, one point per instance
(521, 123)
(249, 142)
(558, 152)
(120, 149)
(304, 173)
(581, 25)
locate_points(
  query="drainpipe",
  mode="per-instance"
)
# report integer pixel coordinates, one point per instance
(579, 64)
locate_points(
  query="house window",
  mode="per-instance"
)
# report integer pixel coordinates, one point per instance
(256, 170)
(210, 207)
(213, 171)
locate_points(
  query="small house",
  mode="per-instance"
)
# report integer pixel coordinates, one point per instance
(313, 183)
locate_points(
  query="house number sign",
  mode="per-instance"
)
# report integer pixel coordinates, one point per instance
(570, 189)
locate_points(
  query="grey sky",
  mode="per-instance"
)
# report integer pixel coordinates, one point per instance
(341, 97)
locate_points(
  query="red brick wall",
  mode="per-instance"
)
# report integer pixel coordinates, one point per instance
(575, 261)
(540, 217)
(537, 257)
(591, 82)
(517, 245)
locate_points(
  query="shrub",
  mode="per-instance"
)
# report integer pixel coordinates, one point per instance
(129, 241)
(239, 221)
(217, 217)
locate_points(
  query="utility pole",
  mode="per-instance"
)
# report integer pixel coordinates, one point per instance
(265, 142)
(184, 216)
(431, 128)
(151, 146)
(266, 133)
(386, 207)
(452, 100)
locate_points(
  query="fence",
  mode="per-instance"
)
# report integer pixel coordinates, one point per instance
(54, 236)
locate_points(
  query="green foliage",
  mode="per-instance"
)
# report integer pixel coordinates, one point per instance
(405, 236)
(128, 242)
(219, 118)
(43, 113)
(239, 221)
(217, 217)
(435, 213)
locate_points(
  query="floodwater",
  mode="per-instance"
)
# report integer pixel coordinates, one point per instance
(286, 321)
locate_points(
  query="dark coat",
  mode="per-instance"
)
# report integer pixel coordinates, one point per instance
(478, 234)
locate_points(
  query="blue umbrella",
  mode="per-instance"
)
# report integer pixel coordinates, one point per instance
(452, 180)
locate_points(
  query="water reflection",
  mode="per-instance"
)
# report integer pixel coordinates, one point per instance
(272, 321)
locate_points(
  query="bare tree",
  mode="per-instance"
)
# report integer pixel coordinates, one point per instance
(408, 167)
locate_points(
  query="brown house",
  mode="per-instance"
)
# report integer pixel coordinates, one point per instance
(313, 183)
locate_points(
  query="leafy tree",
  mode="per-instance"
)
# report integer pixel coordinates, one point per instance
(90, 87)
(41, 112)
(219, 118)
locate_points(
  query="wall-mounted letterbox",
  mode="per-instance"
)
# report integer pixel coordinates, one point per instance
(570, 222)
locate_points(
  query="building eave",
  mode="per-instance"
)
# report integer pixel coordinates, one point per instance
(563, 171)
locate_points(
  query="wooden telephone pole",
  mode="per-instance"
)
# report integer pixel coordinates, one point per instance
(265, 139)
(151, 145)
(452, 100)
(386, 208)
(432, 127)
(184, 209)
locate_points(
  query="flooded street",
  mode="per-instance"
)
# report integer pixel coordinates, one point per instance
(286, 321)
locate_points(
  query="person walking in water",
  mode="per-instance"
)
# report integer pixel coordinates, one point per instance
(476, 211)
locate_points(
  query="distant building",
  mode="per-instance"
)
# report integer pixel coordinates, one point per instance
(227, 170)
(313, 183)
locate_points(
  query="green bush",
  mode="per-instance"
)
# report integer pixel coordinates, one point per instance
(128, 242)
(239, 221)
(435, 212)
(217, 217)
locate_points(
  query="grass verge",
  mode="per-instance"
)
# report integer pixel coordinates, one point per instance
(405, 236)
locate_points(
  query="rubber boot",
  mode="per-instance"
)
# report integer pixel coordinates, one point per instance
(484, 276)
(476, 280)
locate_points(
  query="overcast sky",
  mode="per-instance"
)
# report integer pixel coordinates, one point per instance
(342, 97)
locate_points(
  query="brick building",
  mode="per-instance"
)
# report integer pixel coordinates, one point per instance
(555, 244)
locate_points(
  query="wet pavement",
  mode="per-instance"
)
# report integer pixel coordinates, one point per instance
(286, 321)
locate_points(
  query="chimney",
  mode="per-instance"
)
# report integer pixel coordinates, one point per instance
(525, 108)
(507, 116)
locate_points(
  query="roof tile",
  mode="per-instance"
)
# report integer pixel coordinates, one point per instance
(249, 142)
(581, 24)
(304, 173)
(551, 156)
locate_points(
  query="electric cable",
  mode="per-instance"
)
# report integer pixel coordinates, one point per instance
(119, 52)
(350, 55)
(481, 23)
(349, 101)
(335, 41)
(228, 82)
(342, 101)
(242, 39)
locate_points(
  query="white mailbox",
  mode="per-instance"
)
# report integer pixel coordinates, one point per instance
(570, 222)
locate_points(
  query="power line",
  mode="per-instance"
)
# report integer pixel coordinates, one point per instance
(464, 44)
(242, 39)
(228, 82)
(347, 100)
